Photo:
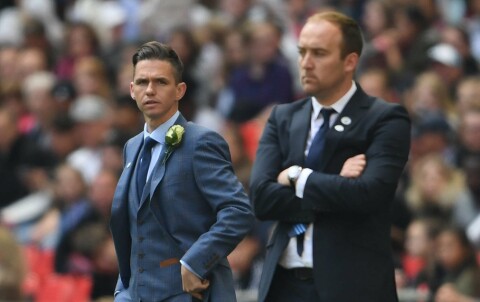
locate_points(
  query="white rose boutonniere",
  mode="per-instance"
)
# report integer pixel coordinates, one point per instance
(173, 138)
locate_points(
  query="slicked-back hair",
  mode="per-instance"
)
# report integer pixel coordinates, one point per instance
(352, 40)
(154, 50)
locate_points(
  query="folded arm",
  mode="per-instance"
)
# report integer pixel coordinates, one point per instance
(387, 155)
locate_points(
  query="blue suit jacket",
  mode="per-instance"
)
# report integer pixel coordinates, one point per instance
(199, 202)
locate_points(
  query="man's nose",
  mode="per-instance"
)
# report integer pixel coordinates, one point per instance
(306, 61)
(150, 89)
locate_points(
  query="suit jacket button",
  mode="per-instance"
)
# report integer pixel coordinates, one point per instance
(140, 270)
(140, 239)
(141, 255)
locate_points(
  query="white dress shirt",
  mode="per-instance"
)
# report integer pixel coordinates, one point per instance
(290, 257)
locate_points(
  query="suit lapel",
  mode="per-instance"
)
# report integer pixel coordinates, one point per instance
(160, 168)
(346, 121)
(157, 175)
(121, 193)
(299, 130)
(119, 221)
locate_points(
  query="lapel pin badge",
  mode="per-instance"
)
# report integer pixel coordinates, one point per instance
(346, 120)
(339, 128)
(128, 165)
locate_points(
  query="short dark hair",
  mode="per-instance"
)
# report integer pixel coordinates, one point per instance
(154, 50)
(352, 40)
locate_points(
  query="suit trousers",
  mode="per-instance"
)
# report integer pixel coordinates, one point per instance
(286, 287)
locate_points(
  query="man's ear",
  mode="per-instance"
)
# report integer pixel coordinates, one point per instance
(181, 89)
(131, 91)
(351, 61)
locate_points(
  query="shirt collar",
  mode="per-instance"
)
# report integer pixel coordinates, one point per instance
(338, 105)
(159, 133)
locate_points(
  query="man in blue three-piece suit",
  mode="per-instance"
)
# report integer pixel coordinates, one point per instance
(326, 171)
(178, 209)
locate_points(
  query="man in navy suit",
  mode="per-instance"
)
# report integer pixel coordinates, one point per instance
(326, 171)
(178, 209)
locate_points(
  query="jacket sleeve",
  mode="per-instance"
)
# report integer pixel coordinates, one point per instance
(220, 187)
(271, 200)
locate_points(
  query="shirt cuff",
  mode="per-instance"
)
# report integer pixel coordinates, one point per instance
(302, 181)
(190, 269)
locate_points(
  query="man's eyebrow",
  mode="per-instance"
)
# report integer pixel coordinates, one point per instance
(157, 78)
(314, 48)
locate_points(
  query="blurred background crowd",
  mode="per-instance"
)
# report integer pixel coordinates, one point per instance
(66, 112)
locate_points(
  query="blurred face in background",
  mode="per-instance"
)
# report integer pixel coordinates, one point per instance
(429, 95)
(31, 60)
(234, 48)
(102, 190)
(456, 38)
(69, 184)
(470, 131)
(450, 251)
(184, 45)
(81, 41)
(38, 97)
(433, 179)
(417, 242)
(236, 9)
(375, 17)
(93, 133)
(265, 40)
(468, 95)
(90, 77)
(8, 64)
(375, 82)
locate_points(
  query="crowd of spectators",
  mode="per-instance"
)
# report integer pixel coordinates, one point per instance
(66, 112)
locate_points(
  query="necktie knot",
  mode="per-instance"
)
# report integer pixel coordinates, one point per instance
(327, 113)
(149, 143)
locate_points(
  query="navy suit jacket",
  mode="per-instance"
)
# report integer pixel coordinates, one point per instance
(198, 201)
(352, 257)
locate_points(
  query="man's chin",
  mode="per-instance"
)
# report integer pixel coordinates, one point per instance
(309, 89)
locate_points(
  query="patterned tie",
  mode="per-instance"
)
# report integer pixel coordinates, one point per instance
(312, 161)
(142, 171)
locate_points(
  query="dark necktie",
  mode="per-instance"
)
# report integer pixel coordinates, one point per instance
(312, 161)
(142, 171)
(316, 148)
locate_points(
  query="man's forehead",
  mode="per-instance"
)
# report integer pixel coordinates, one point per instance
(155, 69)
(319, 28)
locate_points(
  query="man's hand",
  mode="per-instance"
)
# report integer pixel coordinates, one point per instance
(192, 284)
(354, 166)
(283, 178)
